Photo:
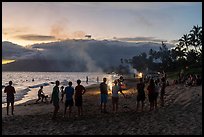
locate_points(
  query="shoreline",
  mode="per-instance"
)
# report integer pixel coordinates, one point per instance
(30, 90)
(24, 83)
(181, 115)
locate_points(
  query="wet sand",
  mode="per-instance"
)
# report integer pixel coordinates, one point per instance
(181, 115)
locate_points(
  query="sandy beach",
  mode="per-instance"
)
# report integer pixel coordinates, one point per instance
(181, 115)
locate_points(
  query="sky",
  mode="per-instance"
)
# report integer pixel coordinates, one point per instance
(26, 23)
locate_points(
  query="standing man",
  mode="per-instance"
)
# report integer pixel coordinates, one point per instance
(87, 79)
(55, 99)
(10, 90)
(162, 91)
(97, 79)
(79, 91)
(104, 95)
(69, 91)
(140, 94)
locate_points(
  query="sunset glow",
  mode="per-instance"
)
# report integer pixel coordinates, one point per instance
(6, 61)
(26, 23)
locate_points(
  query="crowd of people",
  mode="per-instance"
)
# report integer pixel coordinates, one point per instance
(154, 87)
(188, 79)
(73, 96)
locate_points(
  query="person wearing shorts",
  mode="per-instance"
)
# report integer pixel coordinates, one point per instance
(10, 91)
(115, 97)
(104, 95)
(79, 91)
(69, 91)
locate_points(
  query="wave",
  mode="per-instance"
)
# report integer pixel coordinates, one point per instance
(38, 85)
(18, 96)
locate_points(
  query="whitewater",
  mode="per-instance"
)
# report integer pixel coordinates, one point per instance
(24, 82)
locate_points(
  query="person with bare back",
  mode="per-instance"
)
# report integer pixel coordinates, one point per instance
(41, 95)
(104, 95)
(10, 91)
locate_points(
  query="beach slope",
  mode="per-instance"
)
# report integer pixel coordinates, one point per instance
(181, 115)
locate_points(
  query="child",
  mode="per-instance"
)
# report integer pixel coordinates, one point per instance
(62, 93)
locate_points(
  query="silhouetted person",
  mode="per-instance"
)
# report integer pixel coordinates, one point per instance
(151, 93)
(55, 98)
(115, 97)
(156, 93)
(62, 93)
(87, 80)
(164, 75)
(198, 80)
(69, 91)
(97, 79)
(162, 92)
(41, 94)
(121, 79)
(104, 95)
(10, 91)
(119, 83)
(79, 91)
(140, 94)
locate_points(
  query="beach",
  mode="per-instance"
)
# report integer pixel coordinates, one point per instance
(181, 115)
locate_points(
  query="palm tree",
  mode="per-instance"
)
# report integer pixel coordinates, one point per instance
(181, 52)
(195, 36)
(200, 39)
(192, 57)
(185, 41)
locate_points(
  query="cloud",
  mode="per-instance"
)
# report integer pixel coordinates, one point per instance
(35, 37)
(16, 30)
(174, 41)
(134, 6)
(82, 55)
(139, 39)
(61, 32)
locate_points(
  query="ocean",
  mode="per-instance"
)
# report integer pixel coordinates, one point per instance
(23, 82)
